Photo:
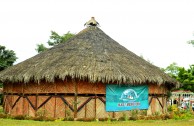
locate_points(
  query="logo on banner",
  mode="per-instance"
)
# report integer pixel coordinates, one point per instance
(129, 95)
(120, 98)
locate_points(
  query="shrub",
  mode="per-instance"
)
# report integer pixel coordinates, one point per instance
(182, 114)
(166, 116)
(19, 117)
(68, 119)
(103, 119)
(2, 115)
(143, 112)
(86, 119)
(134, 114)
(176, 113)
(124, 117)
(172, 108)
(1, 109)
(113, 119)
(141, 117)
(40, 113)
(42, 118)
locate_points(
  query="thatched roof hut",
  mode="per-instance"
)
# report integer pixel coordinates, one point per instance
(78, 70)
(90, 55)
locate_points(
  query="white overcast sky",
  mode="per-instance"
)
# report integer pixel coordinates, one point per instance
(156, 29)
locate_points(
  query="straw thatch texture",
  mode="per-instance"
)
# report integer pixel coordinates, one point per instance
(90, 55)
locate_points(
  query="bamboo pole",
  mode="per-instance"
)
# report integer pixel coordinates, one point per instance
(55, 100)
(95, 106)
(36, 102)
(86, 111)
(23, 106)
(95, 100)
(75, 97)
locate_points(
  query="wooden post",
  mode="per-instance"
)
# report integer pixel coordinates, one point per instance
(114, 114)
(12, 99)
(75, 97)
(23, 98)
(36, 102)
(95, 106)
(55, 99)
(65, 111)
(164, 106)
(55, 106)
(85, 111)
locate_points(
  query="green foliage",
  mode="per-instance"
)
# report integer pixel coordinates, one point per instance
(54, 39)
(40, 48)
(172, 70)
(1, 109)
(134, 114)
(184, 76)
(125, 117)
(1, 96)
(191, 42)
(7, 57)
(169, 94)
(177, 113)
(19, 117)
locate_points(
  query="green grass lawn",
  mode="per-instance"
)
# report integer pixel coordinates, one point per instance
(170, 122)
(11, 122)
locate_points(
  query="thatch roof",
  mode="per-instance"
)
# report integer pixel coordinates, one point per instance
(90, 55)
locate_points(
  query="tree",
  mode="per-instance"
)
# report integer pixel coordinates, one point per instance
(7, 57)
(191, 41)
(172, 70)
(40, 48)
(55, 39)
(184, 76)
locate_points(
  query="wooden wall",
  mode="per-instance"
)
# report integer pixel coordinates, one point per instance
(75, 99)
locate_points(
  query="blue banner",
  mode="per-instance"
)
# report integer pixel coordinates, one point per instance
(125, 97)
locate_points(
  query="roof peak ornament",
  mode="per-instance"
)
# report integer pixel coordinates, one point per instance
(91, 22)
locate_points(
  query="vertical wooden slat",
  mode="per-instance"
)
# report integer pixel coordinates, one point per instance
(163, 109)
(36, 102)
(37, 98)
(85, 110)
(75, 98)
(101, 112)
(55, 106)
(28, 112)
(4, 103)
(95, 106)
(65, 110)
(114, 114)
(4, 100)
(23, 106)
(23, 98)
(55, 101)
